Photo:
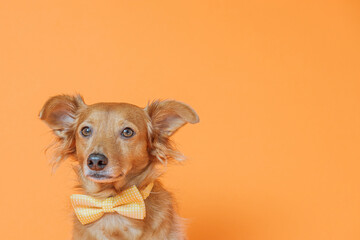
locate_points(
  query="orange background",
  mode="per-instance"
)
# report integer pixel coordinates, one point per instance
(276, 85)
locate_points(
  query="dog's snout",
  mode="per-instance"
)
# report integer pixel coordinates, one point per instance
(97, 161)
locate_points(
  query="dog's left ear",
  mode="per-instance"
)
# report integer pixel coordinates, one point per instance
(166, 117)
(169, 115)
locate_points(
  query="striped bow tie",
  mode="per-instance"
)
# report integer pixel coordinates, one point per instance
(129, 203)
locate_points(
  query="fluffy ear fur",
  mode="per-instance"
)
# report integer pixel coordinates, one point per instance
(59, 113)
(166, 117)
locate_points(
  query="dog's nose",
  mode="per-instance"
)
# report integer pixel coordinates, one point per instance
(97, 161)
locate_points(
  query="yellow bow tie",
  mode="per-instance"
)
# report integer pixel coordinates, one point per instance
(129, 203)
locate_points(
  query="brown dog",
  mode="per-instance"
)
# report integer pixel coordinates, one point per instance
(117, 146)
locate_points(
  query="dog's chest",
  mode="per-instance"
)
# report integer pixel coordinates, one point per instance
(113, 226)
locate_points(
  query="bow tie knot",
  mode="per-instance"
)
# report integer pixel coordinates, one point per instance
(108, 205)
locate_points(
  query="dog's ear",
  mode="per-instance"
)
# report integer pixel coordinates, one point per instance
(166, 117)
(59, 113)
(169, 115)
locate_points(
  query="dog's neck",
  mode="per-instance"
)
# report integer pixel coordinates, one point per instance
(104, 190)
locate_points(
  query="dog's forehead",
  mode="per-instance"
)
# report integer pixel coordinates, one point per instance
(116, 112)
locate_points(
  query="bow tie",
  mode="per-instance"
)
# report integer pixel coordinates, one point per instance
(129, 203)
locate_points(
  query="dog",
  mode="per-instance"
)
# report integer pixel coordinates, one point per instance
(119, 149)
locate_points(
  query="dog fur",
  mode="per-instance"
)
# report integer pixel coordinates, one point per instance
(131, 161)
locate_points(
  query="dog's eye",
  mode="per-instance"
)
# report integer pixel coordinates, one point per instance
(127, 132)
(86, 131)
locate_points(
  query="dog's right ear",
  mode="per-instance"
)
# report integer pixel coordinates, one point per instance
(59, 113)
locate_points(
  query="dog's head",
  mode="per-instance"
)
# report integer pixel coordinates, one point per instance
(114, 140)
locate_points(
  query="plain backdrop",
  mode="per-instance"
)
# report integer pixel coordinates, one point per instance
(275, 83)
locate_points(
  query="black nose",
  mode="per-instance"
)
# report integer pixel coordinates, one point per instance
(97, 161)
